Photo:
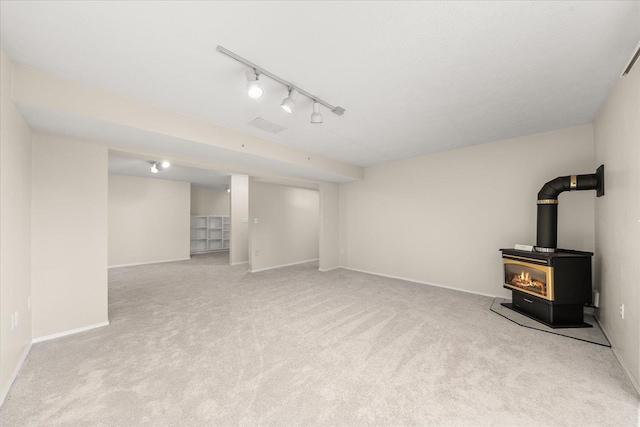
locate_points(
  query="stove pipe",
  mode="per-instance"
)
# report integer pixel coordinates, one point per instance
(547, 234)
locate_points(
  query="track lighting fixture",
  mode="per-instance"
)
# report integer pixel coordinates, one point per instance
(228, 188)
(290, 101)
(254, 89)
(316, 116)
(158, 166)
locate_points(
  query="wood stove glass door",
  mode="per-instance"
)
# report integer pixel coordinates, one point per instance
(529, 278)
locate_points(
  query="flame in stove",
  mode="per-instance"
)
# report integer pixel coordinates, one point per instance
(525, 281)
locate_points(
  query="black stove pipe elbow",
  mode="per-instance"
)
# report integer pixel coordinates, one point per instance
(547, 227)
(552, 189)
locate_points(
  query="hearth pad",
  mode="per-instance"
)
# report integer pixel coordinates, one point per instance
(593, 335)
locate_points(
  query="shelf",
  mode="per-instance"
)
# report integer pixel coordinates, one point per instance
(198, 222)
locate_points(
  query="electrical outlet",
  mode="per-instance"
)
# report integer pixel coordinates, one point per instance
(622, 311)
(16, 318)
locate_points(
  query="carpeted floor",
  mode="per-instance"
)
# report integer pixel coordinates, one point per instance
(200, 343)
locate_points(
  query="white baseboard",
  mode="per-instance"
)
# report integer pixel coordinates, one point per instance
(147, 263)
(284, 265)
(635, 383)
(69, 332)
(324, 270)
(239, 263)
(7, 387)
(423, 283)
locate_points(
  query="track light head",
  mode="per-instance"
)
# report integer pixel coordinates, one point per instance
(154, 167)
(165, 164)
(316, 116)
(254, 88)
(290, 101)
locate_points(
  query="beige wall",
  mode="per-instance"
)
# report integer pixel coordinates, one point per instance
(15, 229)
(148, 220)
(617, 146)
(287, 228)
(441, 218)
(329, 226)
(68, 235)
(239, 247)
(207, 201)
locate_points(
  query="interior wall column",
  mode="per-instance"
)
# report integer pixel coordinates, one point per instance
(239, 243)
(329, 226)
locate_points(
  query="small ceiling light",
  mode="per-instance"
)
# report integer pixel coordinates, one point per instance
(316, 116)
(254, 88)
(228, 189)
(290, 101)
(157, 166)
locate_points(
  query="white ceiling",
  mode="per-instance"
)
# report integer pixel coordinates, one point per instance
(414, 77)
(130, 166)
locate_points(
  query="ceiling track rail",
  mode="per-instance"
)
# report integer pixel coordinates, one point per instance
(633, 61)
(336, 110)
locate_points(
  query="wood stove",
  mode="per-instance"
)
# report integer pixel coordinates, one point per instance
(551, 287)
(548, 284)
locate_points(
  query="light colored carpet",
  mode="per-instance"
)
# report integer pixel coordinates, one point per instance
(200, 343)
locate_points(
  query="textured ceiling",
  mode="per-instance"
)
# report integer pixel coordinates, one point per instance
(414, 77)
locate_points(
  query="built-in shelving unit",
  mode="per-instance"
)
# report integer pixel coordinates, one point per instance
(209, 233)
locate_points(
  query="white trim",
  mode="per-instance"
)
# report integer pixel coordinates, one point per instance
(239, 263)
(13, 377)
(324, 270)
(635, 383)
(423, 283)
(151, 262)
(284, 265)
(69, 332)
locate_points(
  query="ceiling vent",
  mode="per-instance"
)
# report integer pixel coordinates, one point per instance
(634, 58)
(263, 124)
